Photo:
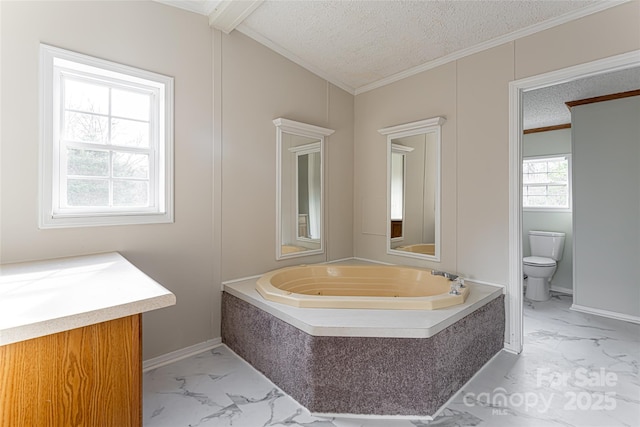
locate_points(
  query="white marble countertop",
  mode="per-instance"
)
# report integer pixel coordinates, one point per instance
(363, 322)
(45, 297)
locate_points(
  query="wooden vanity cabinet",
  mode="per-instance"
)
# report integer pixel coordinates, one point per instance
(89, 376)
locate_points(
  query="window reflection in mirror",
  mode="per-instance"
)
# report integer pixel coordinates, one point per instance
(308, 178)
(301, 201)
(413, 228)
(300, 189)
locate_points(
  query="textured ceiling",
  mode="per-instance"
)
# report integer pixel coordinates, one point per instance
(362, 44)
(358, 43)
(546, 106)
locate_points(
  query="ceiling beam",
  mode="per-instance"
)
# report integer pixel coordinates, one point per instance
(229, 14)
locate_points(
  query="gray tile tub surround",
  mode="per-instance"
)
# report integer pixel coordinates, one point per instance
(364, 375)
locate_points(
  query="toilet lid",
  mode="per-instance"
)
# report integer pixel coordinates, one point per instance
(539, 261)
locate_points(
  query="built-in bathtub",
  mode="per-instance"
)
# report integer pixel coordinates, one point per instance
(365, 361)
(363, 287)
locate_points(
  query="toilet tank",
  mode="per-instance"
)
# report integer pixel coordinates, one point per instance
(548, 244)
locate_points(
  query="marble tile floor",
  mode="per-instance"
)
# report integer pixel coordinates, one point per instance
(576, 370)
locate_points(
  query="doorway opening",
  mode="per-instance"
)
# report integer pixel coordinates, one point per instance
(517, 91)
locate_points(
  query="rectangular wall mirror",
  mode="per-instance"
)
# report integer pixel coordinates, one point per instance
(413, 189)
(300, 188)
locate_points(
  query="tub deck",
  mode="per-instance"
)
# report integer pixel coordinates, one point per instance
(366, 322)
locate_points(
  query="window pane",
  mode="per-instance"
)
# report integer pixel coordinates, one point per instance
(87, 192)
(546, 182)
(131, 105)
(130, 193)
(537, 191)
(557, 190)
(557, 201)
(558, 166)
(86, 128)
(87, 162)
(129, 133)
(86, 97)
(535, 178)
(558, 177)
(538, 166)
(129, 165)
(538, 201)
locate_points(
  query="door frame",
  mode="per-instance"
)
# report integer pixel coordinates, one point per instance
(516, 91)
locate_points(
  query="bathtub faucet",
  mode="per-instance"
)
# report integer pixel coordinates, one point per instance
(444, 274)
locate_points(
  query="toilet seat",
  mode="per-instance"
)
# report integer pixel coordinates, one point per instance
(538, 261)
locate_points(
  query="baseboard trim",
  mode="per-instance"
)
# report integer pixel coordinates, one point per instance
(606, 313)
(338, 260)
(509, 349)
(370, 416)
(562, 290)
(373, 261)
(183, 353)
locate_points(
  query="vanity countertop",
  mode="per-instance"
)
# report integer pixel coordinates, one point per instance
(46, 297)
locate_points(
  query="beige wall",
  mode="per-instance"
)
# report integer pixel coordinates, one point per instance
(224, 175)
(611, 32)
(428, 94)
(228, 90)
(153, 37)
(472, 93)
(483, 163)
(259, 85)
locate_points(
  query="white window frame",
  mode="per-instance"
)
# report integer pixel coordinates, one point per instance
(56, 64)
(569, 186)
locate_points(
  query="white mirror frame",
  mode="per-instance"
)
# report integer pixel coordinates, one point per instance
(308, 131)
(432, 125)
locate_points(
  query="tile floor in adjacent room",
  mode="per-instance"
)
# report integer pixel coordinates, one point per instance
(576, 370)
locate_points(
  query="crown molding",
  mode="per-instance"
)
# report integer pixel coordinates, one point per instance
(201, 7)
(228, 21)
(532, 29)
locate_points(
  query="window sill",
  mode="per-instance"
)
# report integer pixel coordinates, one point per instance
(104, 220)
(547, 210)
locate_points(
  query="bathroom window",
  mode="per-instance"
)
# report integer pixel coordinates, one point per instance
(547, 183)
(106, 144)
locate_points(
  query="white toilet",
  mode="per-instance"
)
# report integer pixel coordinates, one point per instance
(546, 250)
